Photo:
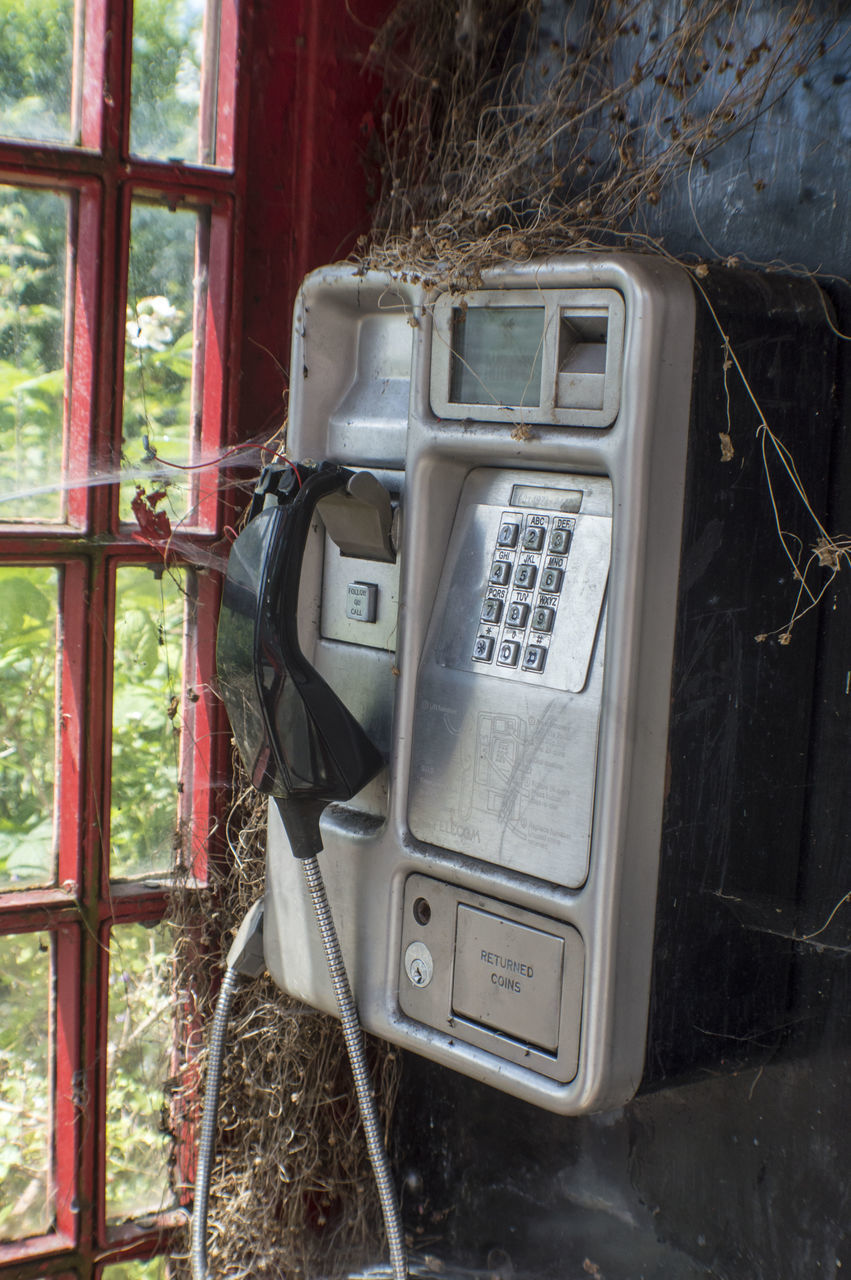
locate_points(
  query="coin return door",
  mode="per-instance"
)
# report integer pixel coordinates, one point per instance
(502, 979)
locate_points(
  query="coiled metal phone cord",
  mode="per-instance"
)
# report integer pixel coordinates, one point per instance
(353, 1037)
(245, 959)
(207, 1140)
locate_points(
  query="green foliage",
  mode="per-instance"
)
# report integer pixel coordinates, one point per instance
(28, 602)
(24, 1085)
(145, 739)
(32, 269)
(159, 347)
(156, 1269)
(36, 48)
(138, 1062)
(166, 79)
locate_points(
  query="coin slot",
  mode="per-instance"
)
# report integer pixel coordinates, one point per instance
(421, 910)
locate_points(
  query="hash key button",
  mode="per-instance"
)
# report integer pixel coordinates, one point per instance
(535, 658)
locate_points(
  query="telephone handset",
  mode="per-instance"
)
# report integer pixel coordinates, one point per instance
(297, 739)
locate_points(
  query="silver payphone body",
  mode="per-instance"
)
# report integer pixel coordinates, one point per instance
(495, 886)
(567, 879)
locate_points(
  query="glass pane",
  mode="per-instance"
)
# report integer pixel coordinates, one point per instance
(139, 1057)
(155, 1269)
(25, 1204)
(32, 326)
(37, 39)
(164, 293)
(145, 720)
(167, 119)
(28, 609)
(497, 355)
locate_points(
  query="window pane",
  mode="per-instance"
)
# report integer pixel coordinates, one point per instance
(145, 720)
(139, 1056)
(28, 609)
(25, 1207)
(37, 40)
(165, 291)
(32, 325)
(167, 120)
(156, 1269)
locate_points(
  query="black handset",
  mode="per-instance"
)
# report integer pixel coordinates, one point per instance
(298, 741)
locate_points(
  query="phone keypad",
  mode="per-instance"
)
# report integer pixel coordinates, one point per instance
(518, 613)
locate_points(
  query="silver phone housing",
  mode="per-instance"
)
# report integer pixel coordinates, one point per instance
(551, 848)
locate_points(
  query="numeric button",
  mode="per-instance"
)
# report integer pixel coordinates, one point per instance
(559, 542)
(551, 580)
(507, 536)
(509, 652)
(525, 576)
(500, 572)
(542, 619)
(491, 610)
(533, 538)
(517, 614)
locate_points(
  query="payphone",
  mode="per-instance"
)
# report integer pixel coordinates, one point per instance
(548, 632)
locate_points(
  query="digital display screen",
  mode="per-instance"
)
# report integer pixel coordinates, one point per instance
(496, 356)
(528, 495)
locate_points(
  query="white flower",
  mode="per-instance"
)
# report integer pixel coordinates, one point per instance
(149, 326)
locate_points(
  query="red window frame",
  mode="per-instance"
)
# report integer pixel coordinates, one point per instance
(101, 180)
(302, 163)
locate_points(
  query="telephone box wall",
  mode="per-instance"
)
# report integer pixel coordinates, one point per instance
(742, 1174)
(312, 175)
